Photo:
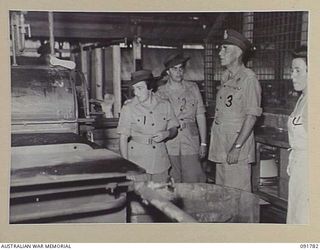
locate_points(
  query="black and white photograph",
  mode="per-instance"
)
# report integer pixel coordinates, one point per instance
(159, 122)
(159, 117)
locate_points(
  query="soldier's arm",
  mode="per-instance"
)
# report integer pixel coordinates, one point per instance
(247, 127)
(201, 121)
(202, 125)
(246, 130)
(172, 132)
(124, 129)
(253, 110)
(124, 146)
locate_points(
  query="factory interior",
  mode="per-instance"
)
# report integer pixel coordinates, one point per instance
(66, 165)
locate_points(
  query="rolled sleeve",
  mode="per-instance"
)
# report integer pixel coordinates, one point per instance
(200, 106)
(124, 125)
(172, 119)
(253, 97)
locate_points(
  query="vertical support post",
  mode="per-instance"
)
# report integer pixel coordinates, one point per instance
(248, 25)
(13, 39)
(98, 73)
(116, 59)
(16, 23)
(84, 69)
(21, 32)
(248, 28)
(84, 62)
(137, 54)
(51, 35)
(255, 176)
(72, 55)
(304, 28)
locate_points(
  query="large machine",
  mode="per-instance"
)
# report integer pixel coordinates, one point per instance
(57, 175)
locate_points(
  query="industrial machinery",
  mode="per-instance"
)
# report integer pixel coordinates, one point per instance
(56, 175)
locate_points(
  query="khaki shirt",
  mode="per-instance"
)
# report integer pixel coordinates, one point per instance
(140, 121)
(187, 104)
(238, 96)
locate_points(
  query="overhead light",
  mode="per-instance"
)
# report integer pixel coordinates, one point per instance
(193, 46)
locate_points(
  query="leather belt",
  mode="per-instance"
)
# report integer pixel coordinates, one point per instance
(147, 140)
(228, 122)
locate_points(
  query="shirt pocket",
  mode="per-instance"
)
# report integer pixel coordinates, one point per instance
(138, 123)
(161, 120)
(233, 97)
(191, 105)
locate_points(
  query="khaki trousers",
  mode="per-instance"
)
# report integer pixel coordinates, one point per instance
(235, 175)
(187, 169)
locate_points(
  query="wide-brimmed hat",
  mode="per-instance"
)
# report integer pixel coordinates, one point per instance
(141, 75)
(233, 37)
(174, 60)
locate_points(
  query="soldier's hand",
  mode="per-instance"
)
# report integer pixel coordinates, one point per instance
(202, 151)
(160, 136)
(233, 155)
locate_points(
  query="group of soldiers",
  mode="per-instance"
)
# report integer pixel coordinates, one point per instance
(164, 131)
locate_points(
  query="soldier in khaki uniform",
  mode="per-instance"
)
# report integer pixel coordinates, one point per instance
(189, 146)
(146, 121)
(232, 144)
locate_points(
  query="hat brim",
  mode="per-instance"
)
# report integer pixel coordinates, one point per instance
(177, 62)
(134, 81)
(300, 54)
(235, 43)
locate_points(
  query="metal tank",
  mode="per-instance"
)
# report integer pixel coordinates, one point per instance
(194, 202)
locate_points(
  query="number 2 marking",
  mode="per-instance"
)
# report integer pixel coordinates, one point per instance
(229, 100)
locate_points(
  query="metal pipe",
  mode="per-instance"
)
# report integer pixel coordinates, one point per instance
(137, 53)
(84, 76)
(98, 73)
(22, 32)
(13, 39)
(44, 214)
(16, 22)
(116, 59)
(51, 36)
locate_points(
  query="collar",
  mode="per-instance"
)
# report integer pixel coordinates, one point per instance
(169, 83)
(154, 102)
(176, 92)
(237, 74)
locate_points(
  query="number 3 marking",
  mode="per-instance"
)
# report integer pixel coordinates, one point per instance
(229, 101)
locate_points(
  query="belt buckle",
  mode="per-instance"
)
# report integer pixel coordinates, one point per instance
(149, 140)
